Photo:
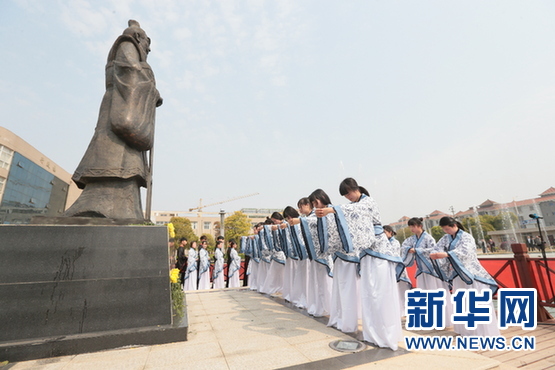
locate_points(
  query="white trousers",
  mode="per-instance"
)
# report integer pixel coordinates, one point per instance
(219, 282)
(299, 287)
(345, 298)
(274, 280)
(204, 280)
(191, 281)
(312, 288)
(234, 280)
(262, 273)
(324, 286)
(287, 279)
(253, 277)
(381, 323)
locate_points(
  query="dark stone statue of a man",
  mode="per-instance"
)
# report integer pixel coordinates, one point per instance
(115, 164)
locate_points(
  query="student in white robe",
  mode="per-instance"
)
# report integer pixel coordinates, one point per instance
(403, 281)
(322, 264)
(218, 273)
(306, 210)
(204, 267)
(191, 274)
(265, 256)
(381, 323)
(290, 258)
(462, 267)
(254, 240)
(274, 278)
(418, 247)
(235, 265)
(298, 257)
(345, 307)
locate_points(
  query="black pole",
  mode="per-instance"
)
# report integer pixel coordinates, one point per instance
(542, 246)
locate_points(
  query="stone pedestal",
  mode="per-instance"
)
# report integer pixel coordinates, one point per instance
(74, 289)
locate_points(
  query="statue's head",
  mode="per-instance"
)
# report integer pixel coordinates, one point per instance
(138, 34)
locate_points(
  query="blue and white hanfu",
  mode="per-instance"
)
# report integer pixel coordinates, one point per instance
(379, 266)
(273, 283)
(290, 262)
(321, 272)
(265, 258)
(463, 268)
(234, 269)
(191, 273)
(204, 270)
(345, 306)
(427, 276)
(299, 286)
(218, 273)
(255, 262)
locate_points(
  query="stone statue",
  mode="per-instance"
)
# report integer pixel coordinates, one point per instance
(115, 164)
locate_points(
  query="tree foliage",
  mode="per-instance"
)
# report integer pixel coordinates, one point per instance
(505, 221)
(437, 232)
(403, 234)
(480, 227)
(183, 229)
(236, 226)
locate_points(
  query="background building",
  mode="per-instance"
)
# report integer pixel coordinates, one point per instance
(30, 183)
(208, 222)
(517, 231)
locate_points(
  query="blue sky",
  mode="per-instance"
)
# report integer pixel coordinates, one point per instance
(428, 104)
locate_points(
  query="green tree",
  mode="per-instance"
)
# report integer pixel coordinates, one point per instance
(403, 234)
(437, 232)
(480, 227)
(505, 221)
(183, 229)
(236, 226)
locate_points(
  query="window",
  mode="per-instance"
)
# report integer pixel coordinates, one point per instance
(206, 225)
(5, 156)
(531, 208)
(194, 225)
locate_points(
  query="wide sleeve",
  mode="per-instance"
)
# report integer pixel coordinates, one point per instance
(134, 98)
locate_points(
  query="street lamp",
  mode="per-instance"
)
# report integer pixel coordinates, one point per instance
(222, 228)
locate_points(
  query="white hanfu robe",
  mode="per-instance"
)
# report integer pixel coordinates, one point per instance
(204, 270)
(427, 277)
(233, 269)
(274, 279)
(299, 283)
(218, 273)
(379, 262)
(465, 271)
(265, 260)
(191, 274)
(345, 307)
(255, 262)
(322, 266)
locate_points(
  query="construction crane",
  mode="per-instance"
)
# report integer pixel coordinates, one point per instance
(200, 206)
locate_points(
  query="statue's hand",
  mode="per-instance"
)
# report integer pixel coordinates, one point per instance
(159, 102)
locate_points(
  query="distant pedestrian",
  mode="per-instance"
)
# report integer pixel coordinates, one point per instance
(492, 245)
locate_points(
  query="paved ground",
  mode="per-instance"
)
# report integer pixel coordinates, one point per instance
(241, 329)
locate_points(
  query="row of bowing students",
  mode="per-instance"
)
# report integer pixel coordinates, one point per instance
(339, 260)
